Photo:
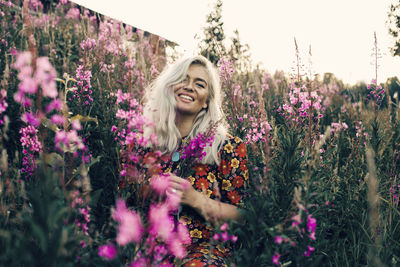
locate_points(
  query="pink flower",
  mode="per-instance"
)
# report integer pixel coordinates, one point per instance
(160, 183)
(312, 235)
(224, 227)
(309, 250)
(296, 220)
(275, 258)
(23, 59)
(183, 234)
(173, 200)
(278, 239)
(60, 139)
(234, 238)
(138, 263)
(28, 85)
(30, 119)
(311, 223)
(55, 104)
(161, 223)
(57, 119)
(176, 248)
(130, 226)
(76, 125)
(19, 97)
(225, 236)
(108, 252)
(45, 75)
(73, 13)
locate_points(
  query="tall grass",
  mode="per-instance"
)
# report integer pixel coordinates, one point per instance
(323, 156)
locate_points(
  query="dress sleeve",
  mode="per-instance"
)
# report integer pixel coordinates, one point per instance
(233, 174)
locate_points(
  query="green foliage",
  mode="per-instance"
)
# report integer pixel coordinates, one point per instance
(394, 26)
(39, 232)
(240, 54)
(212, 46)
(293, 171)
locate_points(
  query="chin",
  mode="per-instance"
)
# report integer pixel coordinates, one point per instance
(187, 111)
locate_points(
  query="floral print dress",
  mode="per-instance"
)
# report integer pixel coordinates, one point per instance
(227, 183)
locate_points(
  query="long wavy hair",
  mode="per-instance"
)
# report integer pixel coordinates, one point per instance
(160, 108)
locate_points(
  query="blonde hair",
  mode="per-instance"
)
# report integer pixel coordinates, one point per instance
(160, 103)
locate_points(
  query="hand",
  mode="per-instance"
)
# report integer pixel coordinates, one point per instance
(183, 189)
(212, 210)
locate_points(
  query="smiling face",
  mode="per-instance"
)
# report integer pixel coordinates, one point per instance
(191, 94)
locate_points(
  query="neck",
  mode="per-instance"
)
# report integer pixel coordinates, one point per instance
(184, 124)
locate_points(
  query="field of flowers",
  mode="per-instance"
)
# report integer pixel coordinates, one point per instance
(323, 156)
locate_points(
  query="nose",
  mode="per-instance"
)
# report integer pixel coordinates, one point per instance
(188, 86)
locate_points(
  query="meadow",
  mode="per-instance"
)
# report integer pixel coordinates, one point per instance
(323, 156)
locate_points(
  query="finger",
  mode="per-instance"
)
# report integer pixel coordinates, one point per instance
(176, 185)
(174, 192)
(175, 178)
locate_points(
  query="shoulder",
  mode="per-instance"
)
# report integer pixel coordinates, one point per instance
(231, 144)
(234, 140)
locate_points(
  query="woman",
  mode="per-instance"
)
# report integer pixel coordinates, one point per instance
(183, 102)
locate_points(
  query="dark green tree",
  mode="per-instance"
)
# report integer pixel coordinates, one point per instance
(393, 86)
(240, 53)
(212, 46)
(394, 26)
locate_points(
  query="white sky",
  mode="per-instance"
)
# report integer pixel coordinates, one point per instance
(340, 32)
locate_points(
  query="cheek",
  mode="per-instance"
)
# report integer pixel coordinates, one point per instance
(175, 88)
(206, 96)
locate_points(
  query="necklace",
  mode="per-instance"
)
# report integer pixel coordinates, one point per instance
(176, 155)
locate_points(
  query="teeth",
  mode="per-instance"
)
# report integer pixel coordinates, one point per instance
(186, 97)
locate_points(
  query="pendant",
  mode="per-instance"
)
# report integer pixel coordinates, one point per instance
(175, 156)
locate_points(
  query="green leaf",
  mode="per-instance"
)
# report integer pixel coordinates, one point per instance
(84, 119)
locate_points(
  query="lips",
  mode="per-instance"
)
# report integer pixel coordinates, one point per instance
(186, 97)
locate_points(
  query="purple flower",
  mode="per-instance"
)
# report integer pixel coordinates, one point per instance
(57, 119)
(23, 59)
(76, 125)
(225, 236)
(73, 13)
(45, 74)
(224, 227)
(309, 250)
(55, 104)
(30, 119)
(161, 223)
(130, 225)
(195, 149)
(311, 223)
(234, 238)
(28, 85)
(275, 258)
(160, 183)
(278, 239)
(175, 246)
(108, 251)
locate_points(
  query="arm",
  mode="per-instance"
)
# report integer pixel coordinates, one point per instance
(232, 180)
(210, 209)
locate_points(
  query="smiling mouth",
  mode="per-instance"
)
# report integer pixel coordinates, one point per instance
(186, 97)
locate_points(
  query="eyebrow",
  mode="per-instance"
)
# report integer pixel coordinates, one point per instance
(198, 79)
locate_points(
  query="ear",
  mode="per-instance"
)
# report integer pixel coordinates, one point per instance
(205, 106)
